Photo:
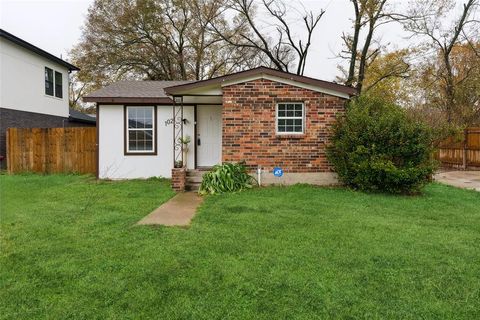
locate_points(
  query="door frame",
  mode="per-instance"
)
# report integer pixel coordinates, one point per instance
(195, 129)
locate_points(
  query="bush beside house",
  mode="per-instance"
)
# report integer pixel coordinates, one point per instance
(376, 147)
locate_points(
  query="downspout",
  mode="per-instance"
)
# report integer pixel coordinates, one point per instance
(97, 146)
(259, 176)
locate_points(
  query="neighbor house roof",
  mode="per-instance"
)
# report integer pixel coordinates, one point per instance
(261, 71)
(132, 91)
(81, 117)
(6, 35)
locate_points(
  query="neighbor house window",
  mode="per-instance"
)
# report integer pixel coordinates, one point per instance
(48, 81)
(58, 85)
(53, 83)
(290, 118)
(140, 130)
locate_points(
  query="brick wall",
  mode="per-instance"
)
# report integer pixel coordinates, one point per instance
(179, 178)
(249, 130)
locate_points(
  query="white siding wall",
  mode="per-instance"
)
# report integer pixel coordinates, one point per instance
(115, 165)
(22, 81)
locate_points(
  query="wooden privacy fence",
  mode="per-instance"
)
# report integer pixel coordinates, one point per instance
(51, 150)
(462, 151)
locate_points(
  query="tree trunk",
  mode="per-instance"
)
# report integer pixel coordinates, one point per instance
(363, 59)
(356, 34)
(449, 88)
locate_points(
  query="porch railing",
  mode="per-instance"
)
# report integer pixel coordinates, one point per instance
(178, 122)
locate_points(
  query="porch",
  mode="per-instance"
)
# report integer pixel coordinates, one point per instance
(197, 145)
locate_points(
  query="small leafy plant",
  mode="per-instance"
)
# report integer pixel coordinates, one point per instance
(185, 142)
(178, 164)
(227, 177)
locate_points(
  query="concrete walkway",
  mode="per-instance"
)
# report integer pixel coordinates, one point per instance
(177, 211)
(460, 179)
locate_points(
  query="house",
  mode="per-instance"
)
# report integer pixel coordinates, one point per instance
(33, 89)
(263, 116)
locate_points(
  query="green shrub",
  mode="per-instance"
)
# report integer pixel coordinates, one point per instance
(227, 177)
(376, 147)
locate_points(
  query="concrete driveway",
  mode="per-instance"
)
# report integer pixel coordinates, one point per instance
(460, 179)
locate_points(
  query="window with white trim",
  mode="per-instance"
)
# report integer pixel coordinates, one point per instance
(140, 129)
(290, 118)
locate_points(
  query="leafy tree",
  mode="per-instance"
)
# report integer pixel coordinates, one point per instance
(387, 76)
(155, 40)
(427, 96)
(361, 47)
(466, 63)
(427, 22)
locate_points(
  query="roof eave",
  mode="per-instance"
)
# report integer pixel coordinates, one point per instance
(37, 50)
(127, 100)
(92, 121)
(178, 89)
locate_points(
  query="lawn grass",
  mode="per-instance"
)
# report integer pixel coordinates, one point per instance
(70, 249)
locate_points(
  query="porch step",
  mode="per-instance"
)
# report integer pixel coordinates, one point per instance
(194, 173)
(194, 179)
(192, 186)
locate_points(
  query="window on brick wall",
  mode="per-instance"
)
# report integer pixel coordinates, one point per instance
(290, 118)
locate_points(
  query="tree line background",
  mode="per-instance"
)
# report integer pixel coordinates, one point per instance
(436, 77)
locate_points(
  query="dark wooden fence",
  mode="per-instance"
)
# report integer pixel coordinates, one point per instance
(462, 151)
(51, 150)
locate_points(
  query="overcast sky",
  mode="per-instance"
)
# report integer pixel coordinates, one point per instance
(55, 26)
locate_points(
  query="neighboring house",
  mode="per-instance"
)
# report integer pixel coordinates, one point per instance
(80, 119)
(33, 89)
(265, 117)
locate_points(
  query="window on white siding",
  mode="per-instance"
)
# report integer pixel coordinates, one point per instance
(290, 118)
(140, 129)
(58, 85)
(53, 83)
(48, 81)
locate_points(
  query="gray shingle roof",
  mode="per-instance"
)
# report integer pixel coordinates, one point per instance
(145, 90)
(125, 92)
(81, 117)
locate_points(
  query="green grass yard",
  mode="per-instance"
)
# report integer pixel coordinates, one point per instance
(70, 250)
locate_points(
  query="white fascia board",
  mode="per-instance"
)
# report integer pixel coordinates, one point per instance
(202, 99)
(207, 90)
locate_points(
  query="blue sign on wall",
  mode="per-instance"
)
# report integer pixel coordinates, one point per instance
(277, 172)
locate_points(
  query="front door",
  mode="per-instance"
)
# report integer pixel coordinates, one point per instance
(209, 135)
